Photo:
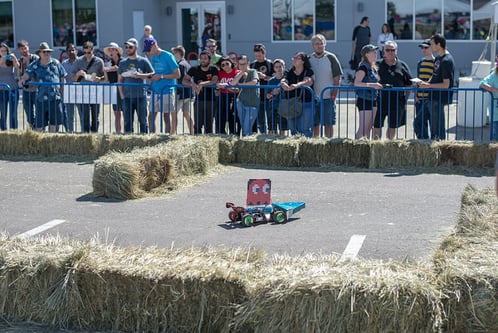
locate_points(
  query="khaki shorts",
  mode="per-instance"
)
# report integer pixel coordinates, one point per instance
(165, 103)
(184, 104)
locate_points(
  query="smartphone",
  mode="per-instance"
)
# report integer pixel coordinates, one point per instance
(8, 57)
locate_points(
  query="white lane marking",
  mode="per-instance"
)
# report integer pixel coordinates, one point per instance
(40, 229)
(353, 247)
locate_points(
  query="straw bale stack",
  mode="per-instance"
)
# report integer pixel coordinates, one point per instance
(400, 153)
(345, 152)
(467, 154)
(126, 143)
(268, 150)
(131, 175)
(86, 285)
(29, 142)
(467, 267)
(227, 150)
(320, 294)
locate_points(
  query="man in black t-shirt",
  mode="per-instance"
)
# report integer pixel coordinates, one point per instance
(264, 68)
(442, 80)
(203, 79)
(393, 72)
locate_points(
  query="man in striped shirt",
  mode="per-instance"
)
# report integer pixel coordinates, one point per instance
(425, 68)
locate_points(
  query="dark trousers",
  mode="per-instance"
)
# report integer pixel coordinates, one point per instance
(225, 111)
(203, 116)
(130, 106)
(85, 111)
(28, 104)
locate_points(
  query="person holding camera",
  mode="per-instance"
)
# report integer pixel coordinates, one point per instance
(8, 87)
(28, 90)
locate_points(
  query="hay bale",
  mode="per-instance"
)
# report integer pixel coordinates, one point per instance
(126, 143)
(268, 150)
(401, 153)
(18, 143)
(467, 154)
(467, 268)
(344, 152)
(134, 174)
(226, 149)
(320, 294)
(90, 286)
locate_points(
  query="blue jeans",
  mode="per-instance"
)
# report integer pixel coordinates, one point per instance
(434, 111)
(28, 104)
(130, 106)
(304, 123)
(68, 117)
(8, 101)
(421, 121)
(247, 116)
(494, 131)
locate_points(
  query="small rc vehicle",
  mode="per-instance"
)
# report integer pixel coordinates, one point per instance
(259, 208)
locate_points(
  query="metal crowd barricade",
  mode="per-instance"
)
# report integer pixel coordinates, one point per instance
(469, 116)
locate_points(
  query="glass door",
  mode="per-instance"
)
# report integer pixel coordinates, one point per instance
(199, 22)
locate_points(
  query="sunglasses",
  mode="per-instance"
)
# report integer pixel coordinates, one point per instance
(88, 52)
(242, 63)
(389, 50)
(46, 52)
(210, 46)
(424, 47)
(129, 47)
(226, 64)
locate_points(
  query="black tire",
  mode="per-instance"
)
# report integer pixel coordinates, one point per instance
(279, 217)
(248, 220)
(232, 216)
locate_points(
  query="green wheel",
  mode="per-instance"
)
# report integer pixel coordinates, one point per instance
(248, 220)
(279, 217)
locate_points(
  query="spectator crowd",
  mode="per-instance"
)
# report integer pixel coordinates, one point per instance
(236, 94)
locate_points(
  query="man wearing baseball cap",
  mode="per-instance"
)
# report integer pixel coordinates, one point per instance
(134, 69)
(425, 68)
(163, 84)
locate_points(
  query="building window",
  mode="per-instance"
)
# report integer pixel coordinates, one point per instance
(300, 19)
(6, 23)
(74, 21)
(420, 19)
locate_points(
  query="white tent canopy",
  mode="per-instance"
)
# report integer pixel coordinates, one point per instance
(485, 12)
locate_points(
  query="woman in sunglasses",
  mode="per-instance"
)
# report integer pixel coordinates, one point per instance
(226, 99)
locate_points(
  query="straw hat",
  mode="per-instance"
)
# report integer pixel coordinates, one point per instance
(113, 45)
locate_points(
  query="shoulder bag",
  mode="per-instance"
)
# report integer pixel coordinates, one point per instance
(291, 107)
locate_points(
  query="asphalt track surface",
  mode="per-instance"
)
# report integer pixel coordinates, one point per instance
(402, 215)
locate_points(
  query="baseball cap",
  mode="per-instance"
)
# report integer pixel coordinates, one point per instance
(367, 48)
(132, 42)
(425, 43)
(148, 42)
